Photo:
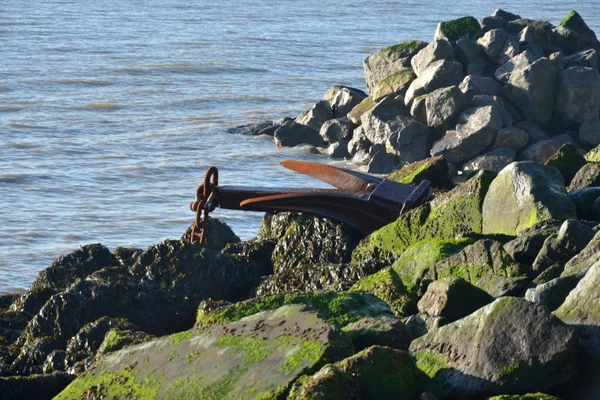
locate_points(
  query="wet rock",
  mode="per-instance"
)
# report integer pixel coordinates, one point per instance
(532, 88)
(382, 163)
(221, 235)
(316, 116)
(437, 50)
(508, 346)
(258, 250)
(552, 293)
(62, 273)
(378, 372)
(393, 85)
(499, 45)
(443, 106)
(55, 362)
(272, 344)
(587, 58)
(292, 134)
(476, 130)
(89, 338)
(337, 129)
(388, 60)
(587, 176)
(525, 248)
(339, 149)
(127, 256)
(589, 133)
(433, 169)
(35, 386)
(484, 264)
(358, 110)
(511, 137)
(584, 200)
(12, 324)
(382, 331)
(359, 141)
(523, 194)
(572, 237)
(578, 96)
(452, 298)
(260, 128)
(343, 99)
(585, 259)
(32, 354)
(494, 160)
(566, 39)
(474, 85)
(438, 74)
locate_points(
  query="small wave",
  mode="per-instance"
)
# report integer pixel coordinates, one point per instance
(4, 88)
(8, 109)
(25, 126)
(100, 105)
(81, 82)
(186, 68)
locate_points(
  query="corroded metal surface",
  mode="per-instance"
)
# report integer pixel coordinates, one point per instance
(360, 200)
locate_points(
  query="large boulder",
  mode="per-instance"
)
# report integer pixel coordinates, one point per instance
(553, 293)
(381, 331)
(532, 88)
(435, 51)
(337, 129)
(388, 60)
(525, 247)
(438, 74)
(433, 169)
(395, 84)
(316, 116)
(383, 119)
(343, 99)
(472, 57)
(361, 108)
(565, 39)
(587, 36)
(568, 160)
(511, 137)
(578, 96)
(586, 202)
(585, 259)
(523, 194)
(220, 361)
(589, 133)
(587, 58)
(494, 160)
(387, 286)
(474, 85)
(293, 134)
(499, 45)
(444, 105)
(587, 176)
(456, 29)
(409, 141)
(476, 130)
(508, 346)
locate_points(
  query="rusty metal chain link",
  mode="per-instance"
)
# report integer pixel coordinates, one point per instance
(204, 203)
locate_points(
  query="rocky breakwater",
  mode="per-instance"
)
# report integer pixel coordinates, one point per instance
(489, 290)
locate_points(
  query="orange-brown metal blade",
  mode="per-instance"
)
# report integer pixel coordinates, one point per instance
(340, 178)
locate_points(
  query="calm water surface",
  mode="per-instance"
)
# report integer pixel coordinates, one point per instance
(110, 111)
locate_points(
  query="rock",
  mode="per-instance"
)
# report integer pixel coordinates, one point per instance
(343, 99)
(511, 137)
(382, 331)
(584, 200)
(359, 141)
(388, 60)
(559, 248)
(382, 163)
(418, 109)
(568, 160)
(523, 194)
(433, 169)
(499, 45)
(476, 130)
(587, 58)
(461, 28)
(494, 101)
(494, 160)
(541, 151)
(472, 57)
(535, 132)
(585, 259)
(44, 386)
(358, 110)
(438, 50)
(504, 16)
(116, 339)
(89, 338)
(221, 235)
(587, 36)
(220, 361)
(528, 396)
(484, 264)
(61, 274)
(525, 247)
(532, 32)
(443, 106)
(452, 298)
(488, 23)
(378, 372)
(587, 176)
(387, 286)
(55, 362)
(593, 156)
(552, 293)
(438, 74)
(260, 128)
(566, 39)
(316, 116)
(339, 149)
(578, 96)
(474, 85)
(558, 60)
(383, 119)
(589, 133)
(420, 324)
(450, 215)
(532, 88)
(293, 134)
(508, 346)
(337, 129)
(393, 85)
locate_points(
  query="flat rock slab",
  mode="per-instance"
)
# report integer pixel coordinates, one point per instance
(257, 355)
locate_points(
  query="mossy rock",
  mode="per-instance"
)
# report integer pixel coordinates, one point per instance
(568, 160)
(256, 357)
(528, 396)
(116, 339)
(395, 84)
(453, 214)
(593, 156)
(357, 112)
(381, 331)
(467, 28)
(338, 308)
(376, 373)
(387, 286)
(433, 169)
(582, 305)
(404, 49)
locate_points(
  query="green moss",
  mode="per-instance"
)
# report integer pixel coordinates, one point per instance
(405, 48)
(528, 396)
(568, 161)
(113, 340)
(178, 337)
(361, 108)
(338, 308)
(568, 17)
(254, 350)
(309, 352)
(593, 155)
(112, 385)
(461, 28)
(393, 84)
(431, 372)
(409, 174)
(193, 355)
(386, 285)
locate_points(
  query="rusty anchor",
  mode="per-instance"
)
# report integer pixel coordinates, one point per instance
(360, 200)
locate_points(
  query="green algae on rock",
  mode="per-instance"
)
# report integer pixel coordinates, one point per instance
(387, 286)
(357, 112)
(568, 160)
(528, 396)
(395, 84)
(259, 355)
(433, 169)
(593, 156)
(460, 28)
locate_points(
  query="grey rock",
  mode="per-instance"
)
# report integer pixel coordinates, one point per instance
(578, 96)
(505, 16)
(376, 148)
(393, 85)
(359, 141)
(479, 352)
(584, 200)
(499, 45)
(558, 60)
(532, 32)
(337, 129)
(342, 99)
(586, 58)
(443, 106)
(511, 137)
(566, 39)
(439, 74)
(587, 176)
(382, 120)
(494, 160)
(418, 108)
(589, 133)
(521, 60)
(585, 259)
(532, 89)
(381, 331)
(472, 57)
(410, 141)
(461, 28)
(261, 128)
(435, 51)
(535, 132)
(293, 134)
(42, 386)
(488, 23)
(382, 163)
(553, 293)
(497, 102)
(541, 151)
(388, 60)
(421, 324)
(361, 157)
(316, 116)
(525, 247)
(587, 36)
(474, 85)
(357, 112)
(476, 130)
(339, 149)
